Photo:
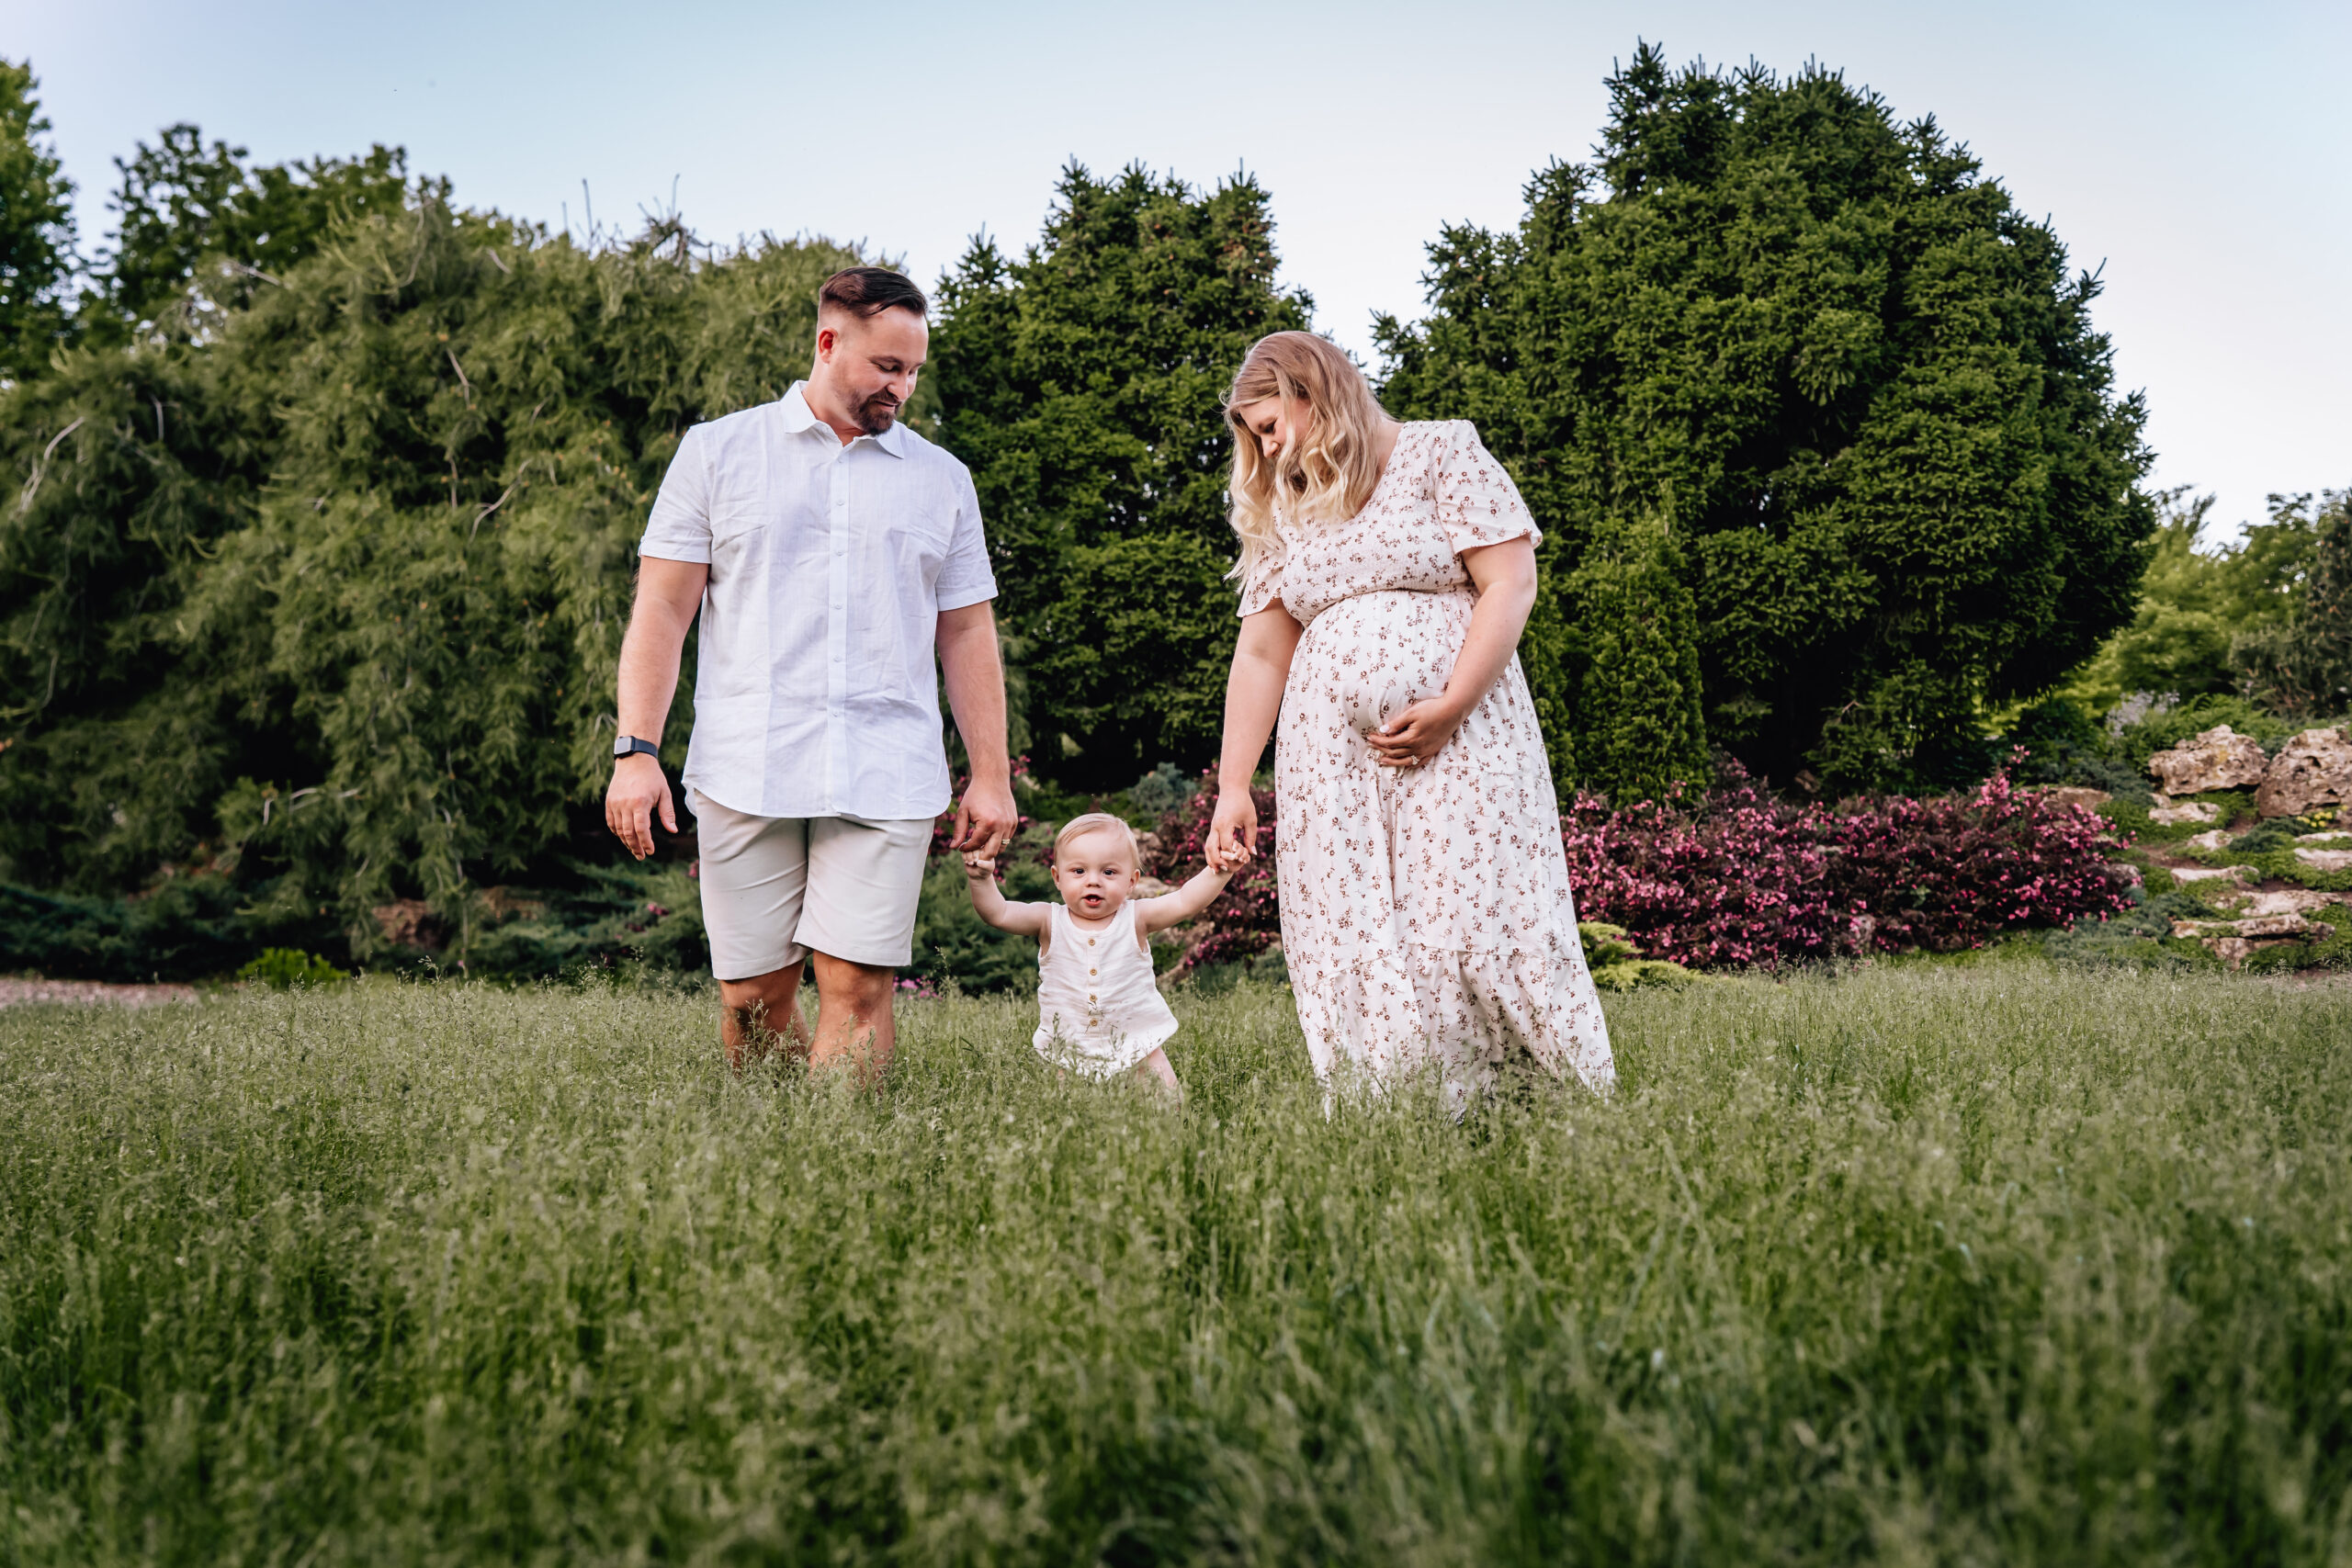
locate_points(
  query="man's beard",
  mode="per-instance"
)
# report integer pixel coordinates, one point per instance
(876, 413)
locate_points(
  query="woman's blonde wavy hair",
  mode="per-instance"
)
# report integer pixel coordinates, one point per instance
(1328, 476)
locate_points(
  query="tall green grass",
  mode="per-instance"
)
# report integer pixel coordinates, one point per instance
(1994, 1265)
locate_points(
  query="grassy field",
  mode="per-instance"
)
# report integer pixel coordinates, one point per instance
(2004, 1264)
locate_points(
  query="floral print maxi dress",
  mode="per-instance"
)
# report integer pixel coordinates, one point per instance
(1426, 913)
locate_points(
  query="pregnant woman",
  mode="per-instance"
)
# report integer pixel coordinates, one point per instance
(1386, 570)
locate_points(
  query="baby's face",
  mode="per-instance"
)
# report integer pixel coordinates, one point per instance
(1096, 872)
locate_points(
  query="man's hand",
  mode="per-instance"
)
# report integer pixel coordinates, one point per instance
(985, 818)
(639, 788)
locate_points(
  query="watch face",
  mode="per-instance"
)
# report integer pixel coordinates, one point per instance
(622, 745)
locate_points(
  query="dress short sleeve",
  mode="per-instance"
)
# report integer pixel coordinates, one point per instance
(679, 527)
(1263, 583)
(1477, 503)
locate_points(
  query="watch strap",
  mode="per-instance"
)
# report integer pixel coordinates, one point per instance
(630, 745)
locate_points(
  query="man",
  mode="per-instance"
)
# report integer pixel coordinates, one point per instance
(830, 550)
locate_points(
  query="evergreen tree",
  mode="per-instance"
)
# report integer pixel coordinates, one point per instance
(329, 599)
(196, 231)
(1855, 383)
(2303, 666)
(1081, 382)
(1636, 668)
(36, 231)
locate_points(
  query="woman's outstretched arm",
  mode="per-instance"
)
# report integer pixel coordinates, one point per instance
(1505, 576)
(1253, 700)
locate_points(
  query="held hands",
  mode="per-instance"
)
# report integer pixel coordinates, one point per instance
(985, 820)
(1233, 832)
(981, 867)
(1415, 735)
(639, 789)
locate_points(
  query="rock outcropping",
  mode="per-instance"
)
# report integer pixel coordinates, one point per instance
(2219, 759)
(2313, 769)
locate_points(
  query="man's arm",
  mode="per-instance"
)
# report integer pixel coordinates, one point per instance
(986, 816)
(668, 594)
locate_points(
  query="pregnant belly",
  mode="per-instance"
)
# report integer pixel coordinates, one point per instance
(1371, 656)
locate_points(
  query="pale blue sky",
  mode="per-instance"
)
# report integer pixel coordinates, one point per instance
(2198, 152)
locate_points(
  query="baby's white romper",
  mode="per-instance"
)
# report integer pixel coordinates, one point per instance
(1098, 1010)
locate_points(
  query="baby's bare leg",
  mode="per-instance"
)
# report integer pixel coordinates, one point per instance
(1154, 1070)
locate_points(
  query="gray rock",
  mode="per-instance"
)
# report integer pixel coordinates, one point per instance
(2313, 769)
(2219, 759)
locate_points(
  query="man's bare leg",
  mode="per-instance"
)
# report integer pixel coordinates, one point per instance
(853, 1025)
(758, 1015)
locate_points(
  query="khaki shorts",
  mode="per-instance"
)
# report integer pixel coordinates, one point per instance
(777, 888)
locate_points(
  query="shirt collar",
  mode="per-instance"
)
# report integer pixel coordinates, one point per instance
(798, 417)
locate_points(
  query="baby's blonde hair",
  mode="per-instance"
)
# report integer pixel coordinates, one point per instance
(1094, 821)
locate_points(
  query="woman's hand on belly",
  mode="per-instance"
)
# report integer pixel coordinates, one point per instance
(1415, 735)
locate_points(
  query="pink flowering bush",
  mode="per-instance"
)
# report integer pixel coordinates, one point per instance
(1735, 878)
(1955, 871)
(1732, 877)
(1245, 921)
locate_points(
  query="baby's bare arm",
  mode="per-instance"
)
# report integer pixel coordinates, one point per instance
(1174, 908)
(990, 904)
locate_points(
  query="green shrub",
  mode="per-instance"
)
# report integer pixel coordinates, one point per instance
(284, 968)
(1618, 966)
(2138, 742)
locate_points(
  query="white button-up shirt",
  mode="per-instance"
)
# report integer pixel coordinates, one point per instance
(815, 691)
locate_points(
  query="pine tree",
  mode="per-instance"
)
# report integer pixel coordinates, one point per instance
(1637, 708)
(1858, 385)
(36, 231)
(1081, 382)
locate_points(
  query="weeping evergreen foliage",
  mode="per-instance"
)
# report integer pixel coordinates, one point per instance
(1857, 386)
(328, 599)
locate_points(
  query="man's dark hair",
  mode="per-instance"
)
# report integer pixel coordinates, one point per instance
(867, 291)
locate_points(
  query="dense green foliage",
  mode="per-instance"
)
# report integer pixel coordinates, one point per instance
(1638, 713)
(1854, 382)
(1083, 382)
(35, 230)
(326, 600)
(199, 230)
(2199, 596)
(1988, 1265)
(2300, 664)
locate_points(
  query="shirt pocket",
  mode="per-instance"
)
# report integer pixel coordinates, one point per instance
(916, 540)
(740, 517)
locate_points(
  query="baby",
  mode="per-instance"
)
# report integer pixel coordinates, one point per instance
(1098, 1009)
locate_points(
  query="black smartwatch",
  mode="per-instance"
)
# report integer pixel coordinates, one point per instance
(630, 745)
